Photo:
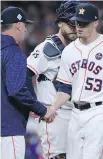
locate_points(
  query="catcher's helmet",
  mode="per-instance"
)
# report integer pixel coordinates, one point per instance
(66, 11)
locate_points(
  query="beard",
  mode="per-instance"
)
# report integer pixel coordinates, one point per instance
(72, 36)
(69, 37)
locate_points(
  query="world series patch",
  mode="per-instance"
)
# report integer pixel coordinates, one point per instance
(98, 56)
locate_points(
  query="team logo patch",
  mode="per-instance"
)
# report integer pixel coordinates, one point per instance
(98, 56)
(82, 11)
(19, 16)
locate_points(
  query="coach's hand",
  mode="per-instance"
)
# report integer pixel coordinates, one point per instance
(50, 119)
(50, 115)
(33, 115)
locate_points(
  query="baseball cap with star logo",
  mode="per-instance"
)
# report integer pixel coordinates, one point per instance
(86, 12)
(13, 15)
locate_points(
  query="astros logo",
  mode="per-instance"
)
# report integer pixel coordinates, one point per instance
(98, 56)
(81, 11)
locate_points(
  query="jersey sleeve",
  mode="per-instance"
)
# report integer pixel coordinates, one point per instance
(16, 86)
(63, 74)
(37, 62)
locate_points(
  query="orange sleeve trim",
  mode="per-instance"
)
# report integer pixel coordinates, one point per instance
(32, 69)
(14, 148)
(64, 81)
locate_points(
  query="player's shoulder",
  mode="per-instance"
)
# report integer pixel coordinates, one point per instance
(53, 47)
(39, 49)
(69, 48)
(101, 37)
(37, 52)
(41, 46)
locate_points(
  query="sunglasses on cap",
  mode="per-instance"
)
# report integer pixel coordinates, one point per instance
(82, 24)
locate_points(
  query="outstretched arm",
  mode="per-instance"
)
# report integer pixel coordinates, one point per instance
(17, 88)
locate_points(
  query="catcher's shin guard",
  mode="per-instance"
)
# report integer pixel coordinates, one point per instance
(60, 156)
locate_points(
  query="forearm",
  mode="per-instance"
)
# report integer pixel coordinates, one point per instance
(61, 99)
(26, 97)
(17, 88)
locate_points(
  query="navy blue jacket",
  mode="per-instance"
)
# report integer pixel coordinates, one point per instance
(16, 99)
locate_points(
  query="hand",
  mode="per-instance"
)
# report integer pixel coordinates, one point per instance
(50, 119)
(50, 115)
(50, 111)
(33, 115)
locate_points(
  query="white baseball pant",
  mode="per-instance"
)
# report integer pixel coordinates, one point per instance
(13, 147)
(85, 134)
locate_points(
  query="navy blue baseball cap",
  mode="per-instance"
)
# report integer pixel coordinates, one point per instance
(86, 12)
(14, 15)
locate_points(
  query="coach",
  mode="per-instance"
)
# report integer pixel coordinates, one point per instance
(16, 98)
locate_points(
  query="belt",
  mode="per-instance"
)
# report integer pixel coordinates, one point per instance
(43, 78)
(86, 105)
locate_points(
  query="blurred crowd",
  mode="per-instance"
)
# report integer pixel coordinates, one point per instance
(43, 13)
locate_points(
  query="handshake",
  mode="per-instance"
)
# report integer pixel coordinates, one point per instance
(50, 114)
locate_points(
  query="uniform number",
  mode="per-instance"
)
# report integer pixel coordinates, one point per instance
(93, 84)
(35, 55)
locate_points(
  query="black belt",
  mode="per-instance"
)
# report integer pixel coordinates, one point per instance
(86, 106)
(43, 78)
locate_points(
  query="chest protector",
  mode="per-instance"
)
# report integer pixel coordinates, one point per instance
(54, 49)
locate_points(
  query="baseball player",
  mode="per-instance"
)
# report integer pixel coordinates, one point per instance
(44, 62)
(81, 71)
